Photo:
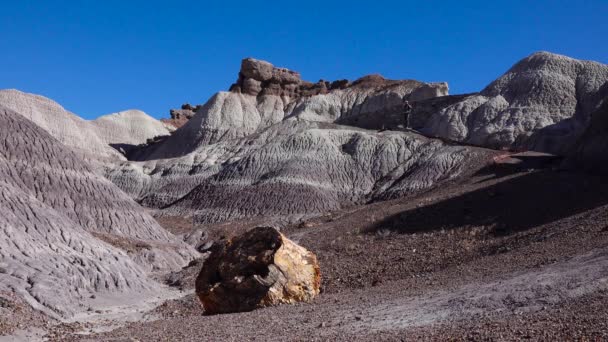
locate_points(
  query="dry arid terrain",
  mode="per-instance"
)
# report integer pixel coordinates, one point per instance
(507, 253)
(432, 216)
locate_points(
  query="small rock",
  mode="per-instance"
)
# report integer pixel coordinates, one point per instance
(5, 303)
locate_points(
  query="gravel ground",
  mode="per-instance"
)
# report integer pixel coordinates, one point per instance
(514, 251)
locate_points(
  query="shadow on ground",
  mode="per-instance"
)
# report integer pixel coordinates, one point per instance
(512, 201)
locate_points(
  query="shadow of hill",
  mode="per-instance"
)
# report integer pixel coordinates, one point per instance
(511, 205)
(519, 163)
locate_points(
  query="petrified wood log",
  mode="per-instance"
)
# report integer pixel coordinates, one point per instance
(259, 268)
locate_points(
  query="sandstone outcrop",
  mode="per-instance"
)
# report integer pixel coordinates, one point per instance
(262, 78)
(179, 117)
(257, 269)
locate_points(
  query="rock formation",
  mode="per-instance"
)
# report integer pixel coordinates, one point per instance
(255, 140)
(179, 117)
(56, 213)
(291, 169)
(64, 126)
(131, 127)
(542, 103)
(262, 78)
(265, 95)
(591, 150)
(95, 139)
(257, 269)
(273, 147)
(248, 152)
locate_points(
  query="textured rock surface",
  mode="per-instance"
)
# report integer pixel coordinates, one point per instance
(132, 127)
(542, 103)
(273, 148)
(293, 160)
(64, 126)
(93, 139)
(179, 117)
(370, 102)
(52, 209)
(291, 169)
(265, 95)
(257, 269)
(591, 150)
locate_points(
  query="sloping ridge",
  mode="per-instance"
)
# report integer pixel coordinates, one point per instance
(92, 138)
(50, 203)
(265, 95)
(132, 127)
(64, 126)
(292, 169)
(591, 150)
(542, 103)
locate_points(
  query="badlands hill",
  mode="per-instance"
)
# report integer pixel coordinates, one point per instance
(391, 179)
(94, 139)
(591, 149)
(326, 146)
(272, 147)
(543, 103)
(57, 217)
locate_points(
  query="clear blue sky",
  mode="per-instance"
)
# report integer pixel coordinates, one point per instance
(97, 57)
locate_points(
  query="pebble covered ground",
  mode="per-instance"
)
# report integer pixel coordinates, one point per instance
(409, 269)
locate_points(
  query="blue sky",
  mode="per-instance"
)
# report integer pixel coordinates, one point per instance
(98, 57)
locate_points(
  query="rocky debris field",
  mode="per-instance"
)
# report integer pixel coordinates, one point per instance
(513, 272)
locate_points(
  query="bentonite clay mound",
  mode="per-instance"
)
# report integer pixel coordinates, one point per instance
(259, 268)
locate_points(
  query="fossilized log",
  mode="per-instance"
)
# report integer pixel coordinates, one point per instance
(257, 269)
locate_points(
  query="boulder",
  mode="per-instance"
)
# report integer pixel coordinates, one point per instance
(262, 78)
(179, 117)
(256, 69)
(259, 268)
